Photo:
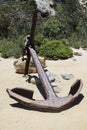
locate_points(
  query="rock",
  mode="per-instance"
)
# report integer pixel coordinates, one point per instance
(34, 79)
(74, 59)
(67, 76)
(56, 89)
(85, 49)
(20, 65)
(50, 76)
(78, 53)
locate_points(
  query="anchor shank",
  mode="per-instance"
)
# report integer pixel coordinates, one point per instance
(31, 41)
(34, 21)
(42, 75)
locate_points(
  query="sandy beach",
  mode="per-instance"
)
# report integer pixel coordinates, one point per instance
(13, 117)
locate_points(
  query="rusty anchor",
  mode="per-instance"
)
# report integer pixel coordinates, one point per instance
(51, 103)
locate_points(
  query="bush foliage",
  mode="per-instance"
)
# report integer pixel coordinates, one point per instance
(55, 49)
(9, 48)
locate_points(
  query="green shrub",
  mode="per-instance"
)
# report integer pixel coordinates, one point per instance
(55, 49)
(9, 48)
(20, 41)
(74, 41)
(38, 41)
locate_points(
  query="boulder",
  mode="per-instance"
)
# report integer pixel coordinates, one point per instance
(20, 65)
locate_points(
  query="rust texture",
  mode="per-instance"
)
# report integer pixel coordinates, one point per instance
(53, 103)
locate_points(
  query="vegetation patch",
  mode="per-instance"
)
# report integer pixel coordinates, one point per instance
(55, 49)
(9, 48)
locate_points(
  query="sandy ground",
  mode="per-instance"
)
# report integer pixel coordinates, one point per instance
(16, 118)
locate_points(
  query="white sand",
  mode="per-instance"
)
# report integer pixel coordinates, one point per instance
(14, 118)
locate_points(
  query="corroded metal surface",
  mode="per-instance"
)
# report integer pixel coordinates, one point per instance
(53, 103)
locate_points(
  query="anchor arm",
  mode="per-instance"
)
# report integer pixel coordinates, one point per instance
(55, 104)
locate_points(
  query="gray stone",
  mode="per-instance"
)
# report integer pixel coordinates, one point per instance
(50, 76)
(74, 59)
(35, 79)
(56, 89)
(78, 53)
(85, 49)
(67, 76)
